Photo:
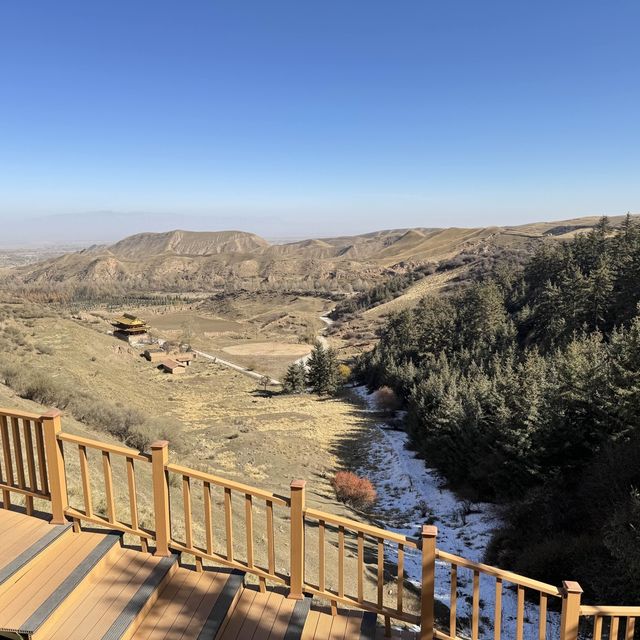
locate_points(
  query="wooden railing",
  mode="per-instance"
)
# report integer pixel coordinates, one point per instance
(23, 467)
(226, 554)
(612, 623)
(539, 592)
(111, 519)
(371, 562)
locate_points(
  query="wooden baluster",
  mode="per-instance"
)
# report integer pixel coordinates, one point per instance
(86, 483)
(31, 459)
(296, 569)
(208, 523)
(186, 504)
(271, 546)
(8, 464)
(380, 577)
(321, 558)
(542, 617)
(228, 522)
(429, 533)
(570, 617)
(188, 519)
(520, 614)
(475, 606)
(400, 594)
(597, 628)
(630, 628)
(453, 602)
(42, 460)
(133, 501)
(341, 561)
(615, 626)
(108, 486)
(17, 450)
(55, 466)
(248, 516)
(271, 554)
(360, 566)
(159, 460)
(497, 616)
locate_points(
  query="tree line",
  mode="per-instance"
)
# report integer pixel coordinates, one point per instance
(524, 388)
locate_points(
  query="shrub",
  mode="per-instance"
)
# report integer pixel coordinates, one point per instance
(354, 490)
(44, 349)
(344, 373)
(386, 399)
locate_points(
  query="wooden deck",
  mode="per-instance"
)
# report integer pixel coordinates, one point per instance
(57, 584)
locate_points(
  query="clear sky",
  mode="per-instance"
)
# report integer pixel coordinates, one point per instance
(310, 117)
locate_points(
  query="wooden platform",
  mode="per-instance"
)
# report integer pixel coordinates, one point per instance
(57, 584)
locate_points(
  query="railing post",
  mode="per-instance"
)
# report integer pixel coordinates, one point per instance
(429, 533)
(51, 427)
(570, 618)
(297, 540)
(159, 459)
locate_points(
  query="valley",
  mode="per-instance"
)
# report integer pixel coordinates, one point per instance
(199, 291)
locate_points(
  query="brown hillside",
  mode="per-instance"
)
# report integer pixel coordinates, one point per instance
(197, 261)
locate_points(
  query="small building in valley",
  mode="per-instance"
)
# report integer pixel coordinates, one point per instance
(155, 355)
(171, 366)
(185, 358)
(130, 328)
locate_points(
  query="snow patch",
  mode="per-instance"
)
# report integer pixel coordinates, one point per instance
(410, 495)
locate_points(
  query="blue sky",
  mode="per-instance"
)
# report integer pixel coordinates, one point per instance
(307, 118)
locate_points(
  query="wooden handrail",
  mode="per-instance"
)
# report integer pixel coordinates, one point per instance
(369, 530)
(610, 610)
(228, 484)
(127, 452)
(13, 413)
(507, 576)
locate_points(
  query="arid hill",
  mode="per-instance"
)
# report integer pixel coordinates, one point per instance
(195, 261)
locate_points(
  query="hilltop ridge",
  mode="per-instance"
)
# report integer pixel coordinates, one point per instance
(182, 260)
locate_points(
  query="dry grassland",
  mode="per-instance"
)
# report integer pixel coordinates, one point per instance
(222, 424)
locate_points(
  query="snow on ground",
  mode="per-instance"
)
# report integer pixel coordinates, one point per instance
(410, 495)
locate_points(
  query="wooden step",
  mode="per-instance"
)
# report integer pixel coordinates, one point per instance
(348, 625)
(26, 539)
(114, 601)
(193, 606)
(265, 616)
(30, 596)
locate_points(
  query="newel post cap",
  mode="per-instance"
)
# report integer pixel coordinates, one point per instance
(297, 484)
(52, 413)
(569, 586)
(159, 444)
(429, 531)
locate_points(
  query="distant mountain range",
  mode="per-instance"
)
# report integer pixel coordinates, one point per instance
(200, 260)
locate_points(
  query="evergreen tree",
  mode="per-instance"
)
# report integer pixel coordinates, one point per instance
(295, 380)
(323, 375)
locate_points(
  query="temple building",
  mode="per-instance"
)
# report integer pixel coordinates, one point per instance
(130, 328)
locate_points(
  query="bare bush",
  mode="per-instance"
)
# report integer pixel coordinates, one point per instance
(354, 490)
(386, 399)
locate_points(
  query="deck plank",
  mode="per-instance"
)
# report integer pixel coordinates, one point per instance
(309, 631)
(109, 609)
(238, 615)
(99, 595)
(20, 600)
(147, 630)
(282, 619)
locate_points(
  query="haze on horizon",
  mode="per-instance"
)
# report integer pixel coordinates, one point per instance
(301, 120)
